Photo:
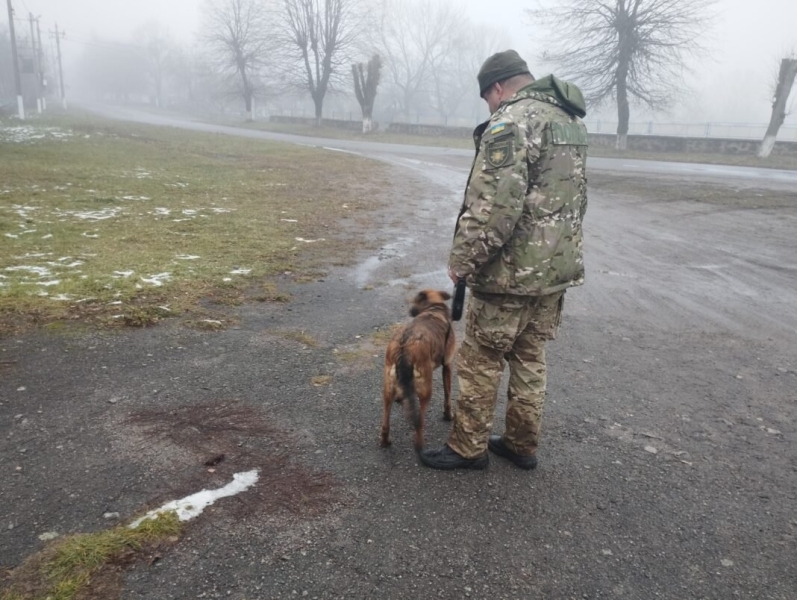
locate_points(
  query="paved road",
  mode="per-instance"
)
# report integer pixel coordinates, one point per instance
(668, 467)
(763, 177)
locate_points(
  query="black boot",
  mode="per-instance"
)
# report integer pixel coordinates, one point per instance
(446, 459)
(497, 446)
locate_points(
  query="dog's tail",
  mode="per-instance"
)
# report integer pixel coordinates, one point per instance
(406, 381)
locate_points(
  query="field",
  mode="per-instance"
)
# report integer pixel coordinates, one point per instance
(113, 224)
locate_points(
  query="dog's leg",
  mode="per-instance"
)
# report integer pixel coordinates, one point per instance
(387, 398)
(423, 387)
(448, 414)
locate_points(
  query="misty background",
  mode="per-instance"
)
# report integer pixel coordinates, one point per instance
(105, 40)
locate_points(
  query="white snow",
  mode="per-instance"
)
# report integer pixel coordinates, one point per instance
(89, 215)
(192, 506)
(40, 271)
(26, 133)
(187, 257)
(241, 272)
(157, 280)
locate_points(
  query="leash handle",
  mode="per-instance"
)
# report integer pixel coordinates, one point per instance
(458, 303)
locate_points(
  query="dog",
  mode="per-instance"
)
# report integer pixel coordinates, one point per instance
(412, 355)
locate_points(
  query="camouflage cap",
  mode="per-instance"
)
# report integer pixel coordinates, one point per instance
(500, 66)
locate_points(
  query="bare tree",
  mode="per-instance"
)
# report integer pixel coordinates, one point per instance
(453, 71)
(414, 35)
(237, 33)
(366, 82)
(157, 46)
(319, 35)
(6, 65)
(625, 50)
(785, 82)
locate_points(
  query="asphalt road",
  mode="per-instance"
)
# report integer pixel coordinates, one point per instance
(668, 466)
(718, 173)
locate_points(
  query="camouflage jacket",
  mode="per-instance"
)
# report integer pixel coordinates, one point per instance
(519, 229)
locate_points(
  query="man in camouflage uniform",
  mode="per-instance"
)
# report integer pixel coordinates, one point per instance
(518, 245)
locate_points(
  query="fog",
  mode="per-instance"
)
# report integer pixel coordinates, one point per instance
(731, 82)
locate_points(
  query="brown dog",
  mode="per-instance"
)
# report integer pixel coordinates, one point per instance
(412, 355)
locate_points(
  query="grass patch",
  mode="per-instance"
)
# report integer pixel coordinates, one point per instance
(334, 133)
(299, 336)
(321, 380)
(654, 189)
(380, 337)
(354, 356)
(123, 224)
(269, 293)
(68, 568)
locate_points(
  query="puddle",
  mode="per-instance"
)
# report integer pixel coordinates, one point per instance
(398, 249)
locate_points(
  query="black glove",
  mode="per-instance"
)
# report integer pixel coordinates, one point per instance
(459, 300)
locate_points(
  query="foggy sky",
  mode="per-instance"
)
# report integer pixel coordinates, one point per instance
(732, 84)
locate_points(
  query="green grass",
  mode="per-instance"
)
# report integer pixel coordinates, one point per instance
(65, 569)
(301, 337)
(344, 134)
(91, 222)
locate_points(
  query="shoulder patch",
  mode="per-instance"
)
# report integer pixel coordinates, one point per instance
(499, 152)
(497, 128)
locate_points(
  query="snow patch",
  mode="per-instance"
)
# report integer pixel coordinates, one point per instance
(157, 280)
(192, 506)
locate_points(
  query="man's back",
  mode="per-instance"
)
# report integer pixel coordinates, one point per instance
(529, 177)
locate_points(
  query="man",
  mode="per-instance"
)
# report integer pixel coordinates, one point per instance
(518, 245)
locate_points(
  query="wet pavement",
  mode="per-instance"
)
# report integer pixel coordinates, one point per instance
(668, 467)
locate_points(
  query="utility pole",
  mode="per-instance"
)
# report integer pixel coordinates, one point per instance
(41, 64)
(36, 67)
(15, 58)
(60, 67)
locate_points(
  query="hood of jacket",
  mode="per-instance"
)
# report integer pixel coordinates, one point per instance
(567, 95)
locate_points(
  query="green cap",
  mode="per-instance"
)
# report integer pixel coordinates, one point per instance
(500, 66)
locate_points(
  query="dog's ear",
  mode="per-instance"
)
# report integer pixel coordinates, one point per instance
(445, 295)
(421, 297)
(414, 312)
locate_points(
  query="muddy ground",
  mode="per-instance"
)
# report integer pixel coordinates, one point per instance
(668, 467)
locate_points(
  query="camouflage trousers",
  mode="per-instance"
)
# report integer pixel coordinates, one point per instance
(503, 328)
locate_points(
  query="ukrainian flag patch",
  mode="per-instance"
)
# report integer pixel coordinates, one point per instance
(497, 128)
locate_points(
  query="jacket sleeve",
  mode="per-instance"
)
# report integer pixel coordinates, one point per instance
(494, 198)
